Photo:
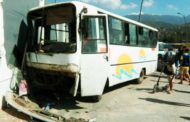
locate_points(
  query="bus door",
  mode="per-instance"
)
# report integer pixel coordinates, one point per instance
(94, 57)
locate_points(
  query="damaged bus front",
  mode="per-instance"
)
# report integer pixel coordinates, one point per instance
(58, 62)
(52, 61)
(77, 48)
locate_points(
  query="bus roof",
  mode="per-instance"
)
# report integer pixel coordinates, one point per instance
(77, 3)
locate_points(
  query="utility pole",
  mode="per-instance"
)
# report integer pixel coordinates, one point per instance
(140, 10)
(184, 25)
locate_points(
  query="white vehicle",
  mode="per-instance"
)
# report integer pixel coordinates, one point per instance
(78, 48)
(164, 47)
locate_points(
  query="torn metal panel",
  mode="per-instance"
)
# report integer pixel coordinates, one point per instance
(52, 67)
(31, 109)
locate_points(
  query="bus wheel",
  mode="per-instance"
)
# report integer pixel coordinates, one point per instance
(96, 98)
(141, 78)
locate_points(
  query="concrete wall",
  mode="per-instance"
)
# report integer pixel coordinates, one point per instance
(15, 19)
(13, 27)
(5, 73)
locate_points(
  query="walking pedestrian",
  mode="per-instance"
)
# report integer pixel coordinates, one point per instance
(185, 63)
(169, 69)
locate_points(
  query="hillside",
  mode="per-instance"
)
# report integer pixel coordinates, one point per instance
(171, 28)
(161, 18)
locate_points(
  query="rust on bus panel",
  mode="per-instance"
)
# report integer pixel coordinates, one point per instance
(44, 74)
(72, 68)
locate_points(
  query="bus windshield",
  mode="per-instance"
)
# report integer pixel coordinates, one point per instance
(53, 29)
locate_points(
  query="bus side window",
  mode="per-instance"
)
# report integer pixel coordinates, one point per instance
(94, 35)
(146, 42)
(89, 45)
(153, 38)
(132, 34)
(116, 31)
(141, 40)
(126, 33)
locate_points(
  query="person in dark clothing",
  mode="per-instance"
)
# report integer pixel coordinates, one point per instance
(169, 60)
(178, 60)
(185, 63)
(180, 53)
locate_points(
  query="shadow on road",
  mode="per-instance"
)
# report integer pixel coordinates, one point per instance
(149, 90)
(107, 89)
(161, 81)
(58, 100)
(157, 75)
(165, 102)
(161, 88)
(13, 112)
(188, 92)
(186, 118)
(118, 86)
(68, 104)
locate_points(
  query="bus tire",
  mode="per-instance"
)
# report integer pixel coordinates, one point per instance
(96, 98)
(141, 78)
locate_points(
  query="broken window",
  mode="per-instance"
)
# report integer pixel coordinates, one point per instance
(54, 29)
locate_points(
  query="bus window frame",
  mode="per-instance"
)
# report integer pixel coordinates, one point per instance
(106, 32)
(122, 31)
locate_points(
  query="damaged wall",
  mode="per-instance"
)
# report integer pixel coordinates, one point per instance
(4, 72)
(15, 24)
(13, 30)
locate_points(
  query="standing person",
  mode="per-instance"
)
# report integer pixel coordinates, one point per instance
(170, 76)
(178, 60)
(169, 69)
(178, 55)
(177, 74)
(185, 63)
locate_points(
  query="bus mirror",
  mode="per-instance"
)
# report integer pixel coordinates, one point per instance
(80, 26)
(84, 10)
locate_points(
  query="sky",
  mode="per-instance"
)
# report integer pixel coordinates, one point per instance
(153, 7)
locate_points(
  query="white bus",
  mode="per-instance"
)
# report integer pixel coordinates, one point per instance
(78, 48)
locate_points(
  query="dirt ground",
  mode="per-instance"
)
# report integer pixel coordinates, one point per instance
(126, 102)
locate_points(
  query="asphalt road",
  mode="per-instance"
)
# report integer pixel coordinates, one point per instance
(128, 102)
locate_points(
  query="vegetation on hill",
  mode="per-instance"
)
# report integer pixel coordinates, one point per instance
(172, 33)
(171, 28)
